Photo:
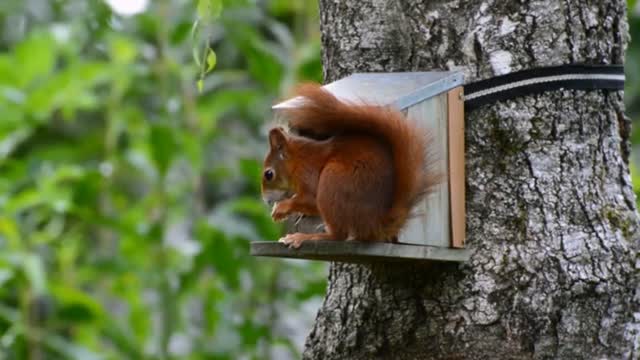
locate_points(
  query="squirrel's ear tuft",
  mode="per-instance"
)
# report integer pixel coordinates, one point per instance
(277, 140)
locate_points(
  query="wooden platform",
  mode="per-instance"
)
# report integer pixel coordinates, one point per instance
(358, 252)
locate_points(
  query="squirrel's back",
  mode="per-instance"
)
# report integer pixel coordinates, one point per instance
(321, 113)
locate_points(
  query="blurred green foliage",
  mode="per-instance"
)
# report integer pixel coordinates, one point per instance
(632, 90)
(129, 178)
(127, 197)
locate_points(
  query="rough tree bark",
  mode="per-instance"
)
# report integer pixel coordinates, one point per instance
(551, 215)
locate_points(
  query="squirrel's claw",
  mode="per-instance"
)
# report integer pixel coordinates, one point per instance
(293, 240)
(277, 215)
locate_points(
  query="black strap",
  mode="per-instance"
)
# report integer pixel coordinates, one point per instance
(526, 82)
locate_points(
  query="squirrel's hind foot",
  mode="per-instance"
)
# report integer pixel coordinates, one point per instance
(295, 240)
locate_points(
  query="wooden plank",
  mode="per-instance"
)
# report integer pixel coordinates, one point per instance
(358, 252)
(431, 225)
(456, 167)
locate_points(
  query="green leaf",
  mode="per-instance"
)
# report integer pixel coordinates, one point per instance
(252, 332)
(163, 147)
(192, 147)
(75, 305)
(70, 89)
(122, 340)
(209, 9)
(35, 273)
(264, 58)
(200, 85)
(70, 350)
(211, 60)
(75, 313)
(309, 66)
(5, 275)
(256, 211)
(8, 75)
(139, 319)
(9, 314)
(311, 289)
(216, 8)
(252, 171)
(122, 50)
(181, 31)
(195, 32)
(13, 140)
(218, 251)
(9, 230)
(195, 29)
(23, 200)
(203, 9)
(35, 56)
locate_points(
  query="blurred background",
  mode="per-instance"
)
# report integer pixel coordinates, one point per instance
(129, 177)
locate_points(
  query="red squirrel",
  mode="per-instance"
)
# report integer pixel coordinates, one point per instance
(363, 180)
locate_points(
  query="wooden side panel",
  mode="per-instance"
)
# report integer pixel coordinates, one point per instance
(414, 231)
(456, 167)
(431, 224)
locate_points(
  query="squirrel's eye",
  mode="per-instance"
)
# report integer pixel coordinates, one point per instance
(268, 174)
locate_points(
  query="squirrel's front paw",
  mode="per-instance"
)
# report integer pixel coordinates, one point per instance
(278, 214)
(293, 240)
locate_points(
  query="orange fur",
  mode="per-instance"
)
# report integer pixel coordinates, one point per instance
(363, 180)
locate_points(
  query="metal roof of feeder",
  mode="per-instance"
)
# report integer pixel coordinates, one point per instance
(401, 90)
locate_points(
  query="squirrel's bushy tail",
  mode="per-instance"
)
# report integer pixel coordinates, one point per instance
(322, 113)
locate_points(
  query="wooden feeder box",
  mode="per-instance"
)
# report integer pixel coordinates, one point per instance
(437, 233)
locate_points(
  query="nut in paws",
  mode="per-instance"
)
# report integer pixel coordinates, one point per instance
(277, 215)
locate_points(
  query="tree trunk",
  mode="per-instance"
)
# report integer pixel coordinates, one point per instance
(551, 217)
